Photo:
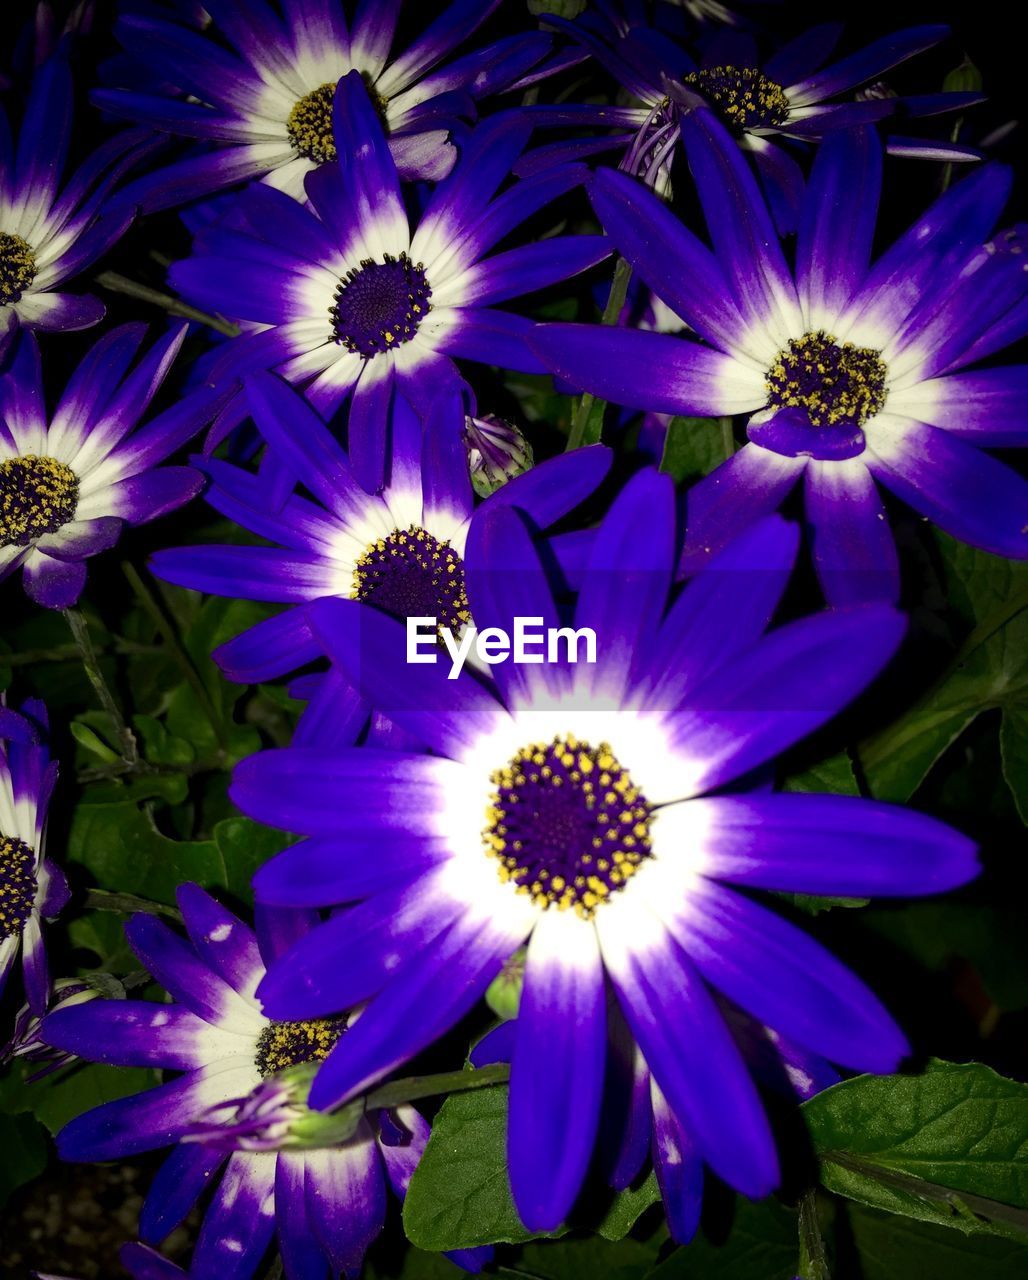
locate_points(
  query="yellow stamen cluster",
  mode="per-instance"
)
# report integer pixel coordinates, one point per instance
(17, 267)
(743, 96)
(287, 1044)
(37, 496)
(412, 574)
(566, 824)
(17, 885)
(835, 383)
(310, 125)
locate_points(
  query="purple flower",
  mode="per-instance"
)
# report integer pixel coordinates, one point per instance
(355, 304)
(70, 483)
(325, 1205)
(852, 374)
(402, 549)
(26, 1042)
(49, 233)
(259, 101)
(32, 887)
(788, 96)
(582, 806)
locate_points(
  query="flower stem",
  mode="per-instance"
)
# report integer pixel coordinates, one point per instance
(127, 904)
(587, 424)
(813, 1255)
(80, 632)
(117, 283)
(397, 1092)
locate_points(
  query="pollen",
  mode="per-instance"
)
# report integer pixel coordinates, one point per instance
(288, 1044)
(380, 305)
(37, 496)
(837, 384)
(17, 885)
(17, 267)
(742, 96)
(310, 125)
(411, 574)
(566, 824)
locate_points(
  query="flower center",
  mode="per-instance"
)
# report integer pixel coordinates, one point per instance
(567, 824)
(17, 267)
(743, 96)
(287, 1044)
(310, 125)
(17, 885)
(410, 574)
(37, 496)
(834, 383)
(379, 305)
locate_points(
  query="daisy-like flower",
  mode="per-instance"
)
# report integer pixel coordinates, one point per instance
(25, 1041)
(789, 96)
(69, 484)
(636, 1120)
(354, 302)
(49, 233)
(401, 550)
(852, 374)
(582, 806)
(326, 1204)
(264, 102)
(32, 887)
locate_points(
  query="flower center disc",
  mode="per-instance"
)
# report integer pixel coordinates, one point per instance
(17, 885)
(37, 496)
(743, 96)
(410, 574)
(310, 125)
(17, 267)
(567, 824)
(379, 305)
(835, 384)
(288, 1044)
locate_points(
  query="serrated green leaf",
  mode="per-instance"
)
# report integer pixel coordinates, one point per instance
(693, 447)
(761, 1245)
(948, 1146)
(24, 1147)
(893, 1248)
(460, 1194)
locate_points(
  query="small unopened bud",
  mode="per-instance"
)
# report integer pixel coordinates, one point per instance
(497, 452)
(963, 79)
(26, 1041)
(503, 995)
(877, 92)
(275, 1116)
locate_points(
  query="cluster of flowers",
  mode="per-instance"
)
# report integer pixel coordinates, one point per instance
(604, 816)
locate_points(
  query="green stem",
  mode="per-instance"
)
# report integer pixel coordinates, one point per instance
(167, 302)
(616, 301)
(728, 438)
(167, 633)
(80, 631)
(813, 1255)
(127, 903)
(397, 1092)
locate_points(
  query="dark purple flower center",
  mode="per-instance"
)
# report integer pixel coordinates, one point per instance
(379, 305)
(17, 885)
(288, 1044)
(567, 824)
(37, 496)
(743, 96)
(411, 574)
(836, 383)
(17, 267)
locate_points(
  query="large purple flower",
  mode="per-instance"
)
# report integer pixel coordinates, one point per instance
(265, 101)
(851, 374)
(32, 888)
(582, 806)
(355, 302)
(49, 233)
(325, 1204)
(70, 483)
(401, 549)
(790, 96)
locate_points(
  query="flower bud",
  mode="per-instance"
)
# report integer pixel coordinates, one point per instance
(497, 452)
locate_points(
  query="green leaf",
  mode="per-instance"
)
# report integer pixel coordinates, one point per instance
(244, 846)
(892, 1248)
(948, 1146)
(91, 740)
(989, 670)
(56, 1099)
(576, 1257)
(561, 8)
(963, 79)
(122, 848)
(23, 1143)
(761, 1245)
(627, 1208)
(460, 1195)
(834, 776)
(693, 447)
